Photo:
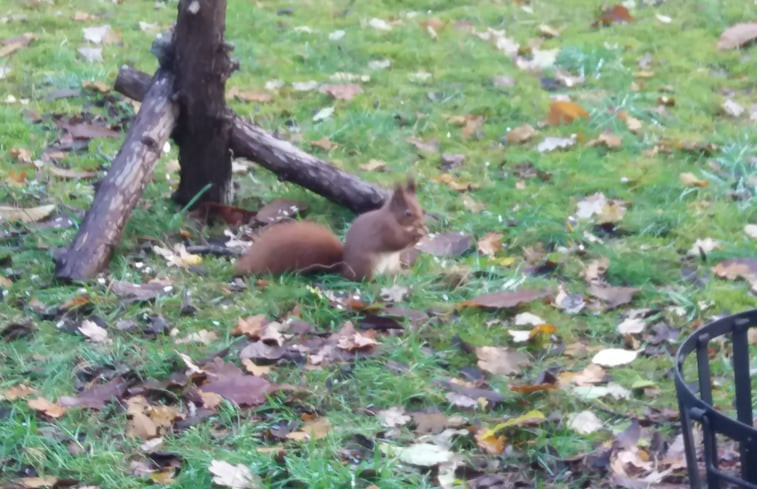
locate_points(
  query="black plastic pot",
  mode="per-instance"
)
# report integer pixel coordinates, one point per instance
(695, 403)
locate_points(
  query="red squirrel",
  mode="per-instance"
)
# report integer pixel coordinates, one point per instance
(372, 246)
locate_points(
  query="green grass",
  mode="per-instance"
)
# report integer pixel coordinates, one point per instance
(646, 250)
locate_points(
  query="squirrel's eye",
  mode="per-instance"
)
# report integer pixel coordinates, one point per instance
(408, 213)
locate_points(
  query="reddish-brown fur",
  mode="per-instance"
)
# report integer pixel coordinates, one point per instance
(371, 243)
(295, 246)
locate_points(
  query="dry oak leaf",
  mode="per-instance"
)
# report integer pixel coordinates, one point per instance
(230, 382)
(248, 96)
(255, 369)
(565, 112)
(607, 139)
(506, 299)
(394, 416)
(738, 35)
(490, 244)
(450, 181)
(233, 476)
(584, 422)
(17, 391)
(314, 429)
(691, 180)
(324, 143)
(52, 409)
(37, 482)
(251, 326)
(13, 44)
(612, 296)
(744, 268)
(25, 215)
(425, 147)
(521, 134)
(499, 360)
(95, 333)
(445, 245)
(342, 91)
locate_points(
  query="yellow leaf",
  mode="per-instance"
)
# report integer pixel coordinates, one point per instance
(563, 112)
(691, 180)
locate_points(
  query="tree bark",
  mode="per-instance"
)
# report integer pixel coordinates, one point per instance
(201, 65)
(123, 185)
(281, 157)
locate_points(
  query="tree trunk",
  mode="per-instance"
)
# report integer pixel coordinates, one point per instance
(201, 65)
(281, 157)
(123, 185)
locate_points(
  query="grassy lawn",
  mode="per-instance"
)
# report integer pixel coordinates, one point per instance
(435, 71)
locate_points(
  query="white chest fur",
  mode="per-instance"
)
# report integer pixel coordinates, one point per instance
(387, 263)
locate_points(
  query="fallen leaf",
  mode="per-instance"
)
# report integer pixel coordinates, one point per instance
(490, 244)
(455, 185)
(178, 256)
(346, 91)
(584, 422)
(232, 476)
(499, 360)
(373, 165)
(25, 215)
(612, 296)
(314, 429)
(130, 292)
(53, 410)
(13, 44)
(490, 442)
(423, 454)
(393, 417)
(232, 384)
(632, 325)
(97, 395)
(551, 143)
(80, 16)
(663, 18)
(506, 299)
(91, 54)
(751, 230)
(248, 95)
(252, 326)
(691, 180)
(613, 357)
(474, 206)
(452, 160)
(305, 86)
(564, 112)
(395, 293)
(379, 24)
(279, 210)
(732, 108)
(445, 245)
(324, 143)
(548, 31)
(521, 134)
(738, 35)
(254, 369)
(703, 246)
(734, 268)
(17, 392)
(323, 114)
(37, 482)
(538, 60)
(633, 124)
(427, 147)
(91, 330)
(607, 139)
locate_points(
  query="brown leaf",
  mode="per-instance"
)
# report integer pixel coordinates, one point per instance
(233, 476)
(500, 360)
(17, 391)
(97, 395)
(564, 112)
(80, 16)
(22, 155)
(607, 139)
(37, 482)
(324, 143)
(450, 181)
(12, 44)
(254, 369)
(232, 384)
(613, 15)
(506, 299)
(733, 268)
(130, 292)
(313, 429)
(426, 147)
(446, 245)
(633, 124)
(68, 173)
(251, 326)
(373, 165)
(452, 160)
(86, 130)
(344, 91)
(490, 244)
(521, 134)
(612, 296)
(691, 180)
(248, 96)
(54, 410)
(27, 215)
(472, 205)
(738, 35)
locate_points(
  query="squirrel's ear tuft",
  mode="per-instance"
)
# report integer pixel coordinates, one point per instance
(410, 186)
